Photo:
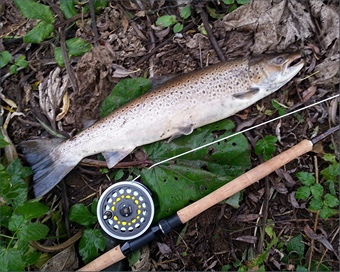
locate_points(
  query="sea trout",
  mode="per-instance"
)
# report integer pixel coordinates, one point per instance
(175, 108)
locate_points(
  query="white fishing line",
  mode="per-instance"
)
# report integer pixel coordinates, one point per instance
(239, 132)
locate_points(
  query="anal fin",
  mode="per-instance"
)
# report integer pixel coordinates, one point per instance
(247, 95)
(113, 157)
(182, 131)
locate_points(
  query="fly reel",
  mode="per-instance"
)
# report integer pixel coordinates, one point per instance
(125, 210)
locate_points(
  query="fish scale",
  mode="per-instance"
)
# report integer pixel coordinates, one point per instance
(175, 108)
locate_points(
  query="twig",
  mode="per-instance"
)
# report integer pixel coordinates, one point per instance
(66, 61)
(93, 22)
(204, 17)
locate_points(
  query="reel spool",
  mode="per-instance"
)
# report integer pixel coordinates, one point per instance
(125, 210)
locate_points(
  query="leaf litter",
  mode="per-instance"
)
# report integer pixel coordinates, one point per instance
(254, 28)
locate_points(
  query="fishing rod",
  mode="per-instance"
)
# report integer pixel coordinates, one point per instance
(182, 216)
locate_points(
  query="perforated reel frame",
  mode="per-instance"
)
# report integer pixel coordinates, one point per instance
(125, 210)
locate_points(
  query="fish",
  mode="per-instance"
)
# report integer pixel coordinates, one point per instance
(175, 108)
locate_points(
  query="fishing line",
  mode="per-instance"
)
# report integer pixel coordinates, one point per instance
(237, 133)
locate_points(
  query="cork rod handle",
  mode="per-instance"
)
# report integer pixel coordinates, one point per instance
(244, 181)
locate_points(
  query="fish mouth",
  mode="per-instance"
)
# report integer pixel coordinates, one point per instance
(294, 64)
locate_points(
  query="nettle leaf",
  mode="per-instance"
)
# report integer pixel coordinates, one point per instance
(68, 8)
(331, 172)
(166, 20)
(327, 212)
(11, 260)
(39, 33)
(303, 192)
(33, 10)
(266, 147)
(317, 190)
(6, 213)
(16, 222)
(124, 91)
(80, 214)
(30, 210)
(75, 47)
(315, 204)
(90, 243)
(5, 58)
(305, 178)
(295, 245)
(196, 174)
(33, 231)
(331, 201)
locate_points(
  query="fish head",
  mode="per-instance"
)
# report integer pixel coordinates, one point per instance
(271, 72)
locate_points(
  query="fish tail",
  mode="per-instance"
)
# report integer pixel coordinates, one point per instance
(49, 162)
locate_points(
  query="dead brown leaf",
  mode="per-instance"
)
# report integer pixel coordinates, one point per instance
(65, 260)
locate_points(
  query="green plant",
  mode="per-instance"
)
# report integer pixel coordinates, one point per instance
(20, 222)
(19, 62)
(319, 200)
(266, 147)
(171, 20)
(92, 240)
(44, 29)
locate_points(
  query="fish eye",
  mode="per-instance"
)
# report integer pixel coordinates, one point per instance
(279, 60)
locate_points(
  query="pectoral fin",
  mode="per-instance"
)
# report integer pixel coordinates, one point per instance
(247, 95)
(113, 157)
(182, 131)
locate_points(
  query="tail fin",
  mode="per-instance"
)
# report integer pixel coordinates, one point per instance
(48, 163)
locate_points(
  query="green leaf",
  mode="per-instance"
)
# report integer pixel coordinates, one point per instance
(178, 27)
(93, 207)
(315, 204)
(99, 4)
(33, 10)
(303, 192)
(21, 62)
(276, 105)
(329, 158)
(196, 174)
(228, 2)
(300, 268)
(213, 14)
(305, 178)
(317, 190)
(331, 172)
(242, 2)
(124, 91)
(295, 245)
(11, 259)
(90, 243)
(134, 257)
(3, 143)
(6, 213)
(31, 210)
(327, 212)
(68, 8)
(13, 69)
(16, 222)
(33, 231)
(331, 201)
(166, 20)
(75, 47)
(266, 147)
(5, 58)
(39, 33)
(80, 214)
(185, 12)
